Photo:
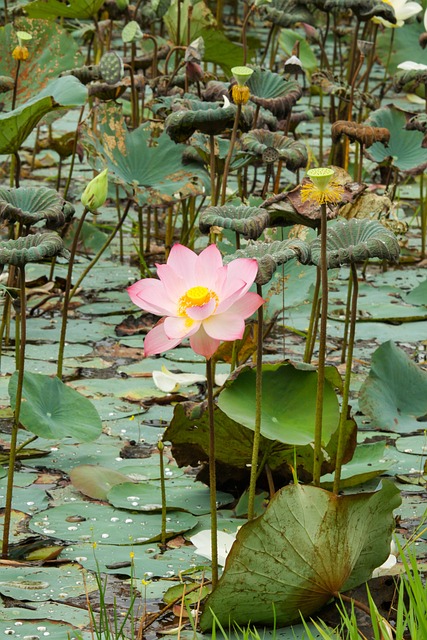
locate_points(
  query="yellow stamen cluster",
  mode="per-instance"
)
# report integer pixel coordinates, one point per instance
(241, 94)
(20, 53)
(195, 297)
(322, 188)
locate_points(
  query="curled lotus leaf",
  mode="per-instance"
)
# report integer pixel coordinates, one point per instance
(273, 92)
(29, 205)
(31, 249)
(181, 125)
(270, 255)
(359, 132)
(350, 241)
(285, 13)
(292, 152)
(410, 80)
(363, 9)
(249, 221)
(418, 122)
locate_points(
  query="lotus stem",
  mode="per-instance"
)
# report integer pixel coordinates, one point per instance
(15, 425)
(311, 333)
(212, 169)
(230, 153)
(105, 246)
(155, 51)
(317, 462)
(258, 409)
(423, 217)
(347, 378)
(67, 293)
(73, 155)
(248, 12)
(212, 472)
(160, 447)
(347, 318)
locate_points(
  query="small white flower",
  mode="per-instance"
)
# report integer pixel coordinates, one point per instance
(402, 10)
(409, 65)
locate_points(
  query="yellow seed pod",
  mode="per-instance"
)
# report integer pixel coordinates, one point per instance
(20, 53)
(241, 94)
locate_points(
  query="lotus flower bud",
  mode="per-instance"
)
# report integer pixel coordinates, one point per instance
(96, 191)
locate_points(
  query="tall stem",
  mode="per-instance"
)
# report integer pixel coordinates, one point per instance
(15, 425)
(258, 409)
(67, 293)
(347, 378)
(317, 463)
(423, 215)
(230, 153)
(212, 473)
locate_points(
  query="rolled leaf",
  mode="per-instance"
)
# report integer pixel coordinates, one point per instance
(32, 204)
(293, 152)
(31, 249)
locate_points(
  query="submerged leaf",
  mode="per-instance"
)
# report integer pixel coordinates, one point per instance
(307, 547)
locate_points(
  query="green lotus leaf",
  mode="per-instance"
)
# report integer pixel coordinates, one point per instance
(249, 221)
(409, 81)
(210, 120)
(80, 9)
(405, 147)
(394, 395)
(363, 9)
(51, 409)
(308, 546)
(273, 92)
(270, 255)
(17, 125)
(31, 249)
(350, 241)
(293, 152)
(286, 13)
(52, 50)
(32, 204)
(155, 175)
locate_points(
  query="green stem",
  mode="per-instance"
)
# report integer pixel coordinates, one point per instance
(230, 153)
(160, 447)
(212, 473)
(347, 378)
(67, 293)
(308, 352)
(15, 425)
(258, 409)
(347, 318)
(317, 462)
(105, 246)
(73, 155)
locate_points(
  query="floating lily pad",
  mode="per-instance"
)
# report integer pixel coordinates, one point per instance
(95, 481)
(192, 497)
(88, 522)
(369, 461)
(22, 630)
(42, 583)
(418, 295)
(394, 395)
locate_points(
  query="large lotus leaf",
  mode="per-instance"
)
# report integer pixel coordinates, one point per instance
(189, 434)
(291, 420)
(157, 173)
(307, 547)
(51, 409)
(363, 9)
(17, 125)
(31, 204)
(418, 295)
(286, 13)
(52, 51)
(271, 255)
(394, 395)
(293, 152)
(249, 221)
(81, 9)
(101, 523)
(31, 249)
(273, 92)
(180, 125)
(350, 241)
(397, 45)
(183, 495)
(404, 146)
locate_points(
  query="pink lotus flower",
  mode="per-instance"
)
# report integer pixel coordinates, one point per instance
(199, 297)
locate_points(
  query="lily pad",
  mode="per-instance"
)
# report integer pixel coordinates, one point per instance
(308, 546)
(51, 409)
(42, 583)
(95, 481)
(418, 295)
(369, 461)
(394, 395)
(88, 522)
